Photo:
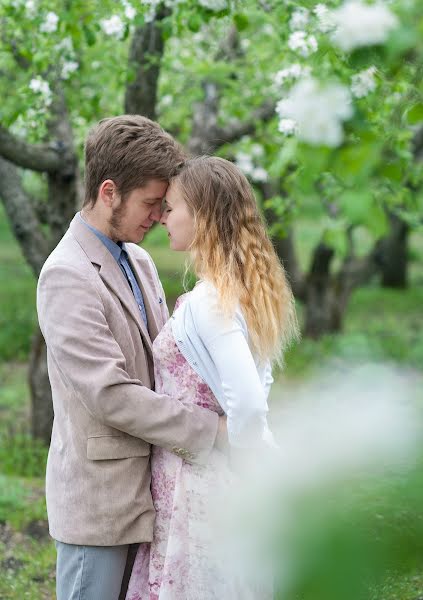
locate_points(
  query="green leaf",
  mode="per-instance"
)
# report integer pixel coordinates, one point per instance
(415, 114)
(355, 205)
(194, 22)
(285, 156)
(89, 35)
(241, 21)
(334, 236)
(356, 162)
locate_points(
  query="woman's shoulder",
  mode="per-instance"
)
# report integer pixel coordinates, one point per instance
(203, 296)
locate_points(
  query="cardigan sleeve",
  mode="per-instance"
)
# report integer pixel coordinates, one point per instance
(245, 398)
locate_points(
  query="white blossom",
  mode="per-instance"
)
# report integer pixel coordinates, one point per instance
(318, 110)
(130, 12)
(70, 66)
(65, 45)
(50, 23)
(257, 150)
(259, 174)
(31, 9)
(113, 26)
(324, 16)
(268, 29)
(287, 126)
(299, 19)
(40, 86)
(363, 82)
(244, 162)
(166, 100)
(359, 24)
(295, 71)
(215, 5)
(302, 43)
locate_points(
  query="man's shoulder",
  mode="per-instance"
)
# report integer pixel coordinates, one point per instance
(67, 254)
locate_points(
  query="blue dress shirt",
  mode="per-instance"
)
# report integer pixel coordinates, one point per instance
(117, 250)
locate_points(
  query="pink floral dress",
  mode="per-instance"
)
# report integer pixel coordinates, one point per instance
(182, 561)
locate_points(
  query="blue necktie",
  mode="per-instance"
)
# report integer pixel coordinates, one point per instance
(124, 263)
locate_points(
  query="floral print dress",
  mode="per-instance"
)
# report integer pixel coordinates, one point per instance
(182, 562)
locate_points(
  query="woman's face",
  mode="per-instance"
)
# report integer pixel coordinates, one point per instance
(178, 219)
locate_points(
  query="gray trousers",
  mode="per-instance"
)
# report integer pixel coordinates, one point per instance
(90, 572)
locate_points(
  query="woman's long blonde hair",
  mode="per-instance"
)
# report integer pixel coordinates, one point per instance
(231, 249)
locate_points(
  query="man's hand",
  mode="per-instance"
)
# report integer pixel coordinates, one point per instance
(221, 442)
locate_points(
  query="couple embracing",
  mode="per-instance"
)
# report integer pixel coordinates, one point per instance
(148, 410)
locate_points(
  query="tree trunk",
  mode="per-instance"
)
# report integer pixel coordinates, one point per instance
(391, 254)
(320, 301)
(41, 400)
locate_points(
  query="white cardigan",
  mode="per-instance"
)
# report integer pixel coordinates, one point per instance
(217, 349)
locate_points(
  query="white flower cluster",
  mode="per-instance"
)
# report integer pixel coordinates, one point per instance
(245, 162)
(41, 86)
(363, 82)
(359, 24)
(214, 5)
(324, 17)
(287, 126)
(114, 26)
(67, 57)
(130, 11)
(50, 24)
(302, 43)
(31, 9)
(316, 111)
(295, 71)
(299, 19)
(69, 67)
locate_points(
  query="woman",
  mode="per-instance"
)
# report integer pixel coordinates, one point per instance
(215, 351)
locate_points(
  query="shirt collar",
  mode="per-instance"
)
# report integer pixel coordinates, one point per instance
(115, 248)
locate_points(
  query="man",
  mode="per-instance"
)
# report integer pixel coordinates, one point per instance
(100, 306)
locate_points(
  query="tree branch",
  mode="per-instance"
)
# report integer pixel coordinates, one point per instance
(145, 55)
(38, 157)
(22, 217)
(206, 135)
(234, 131)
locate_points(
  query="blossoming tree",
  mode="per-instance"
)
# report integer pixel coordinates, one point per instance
(320, 105)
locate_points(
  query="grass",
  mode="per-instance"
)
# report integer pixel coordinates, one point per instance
(381, 325)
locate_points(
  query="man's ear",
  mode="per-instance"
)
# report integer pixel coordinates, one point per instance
(108, 194)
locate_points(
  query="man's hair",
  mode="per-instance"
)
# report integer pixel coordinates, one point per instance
(130, 150)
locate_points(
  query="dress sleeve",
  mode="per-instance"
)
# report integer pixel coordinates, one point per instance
(244, 400)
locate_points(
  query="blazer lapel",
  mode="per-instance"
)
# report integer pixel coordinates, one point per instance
(143, 272)
(111, 274)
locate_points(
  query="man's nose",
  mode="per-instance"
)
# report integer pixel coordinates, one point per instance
(156, 214)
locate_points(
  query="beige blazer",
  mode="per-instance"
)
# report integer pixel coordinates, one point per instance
(101, 372)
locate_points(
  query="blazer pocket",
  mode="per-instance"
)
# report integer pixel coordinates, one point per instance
(107, 447)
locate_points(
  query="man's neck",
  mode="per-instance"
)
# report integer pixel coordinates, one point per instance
(95, 220)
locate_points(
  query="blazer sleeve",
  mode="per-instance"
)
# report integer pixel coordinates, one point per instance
(245, 398)
(92, 365)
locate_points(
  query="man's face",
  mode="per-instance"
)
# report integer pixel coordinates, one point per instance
(133, 217)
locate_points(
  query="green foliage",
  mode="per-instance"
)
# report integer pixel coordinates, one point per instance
(363, 531)
(21, 501)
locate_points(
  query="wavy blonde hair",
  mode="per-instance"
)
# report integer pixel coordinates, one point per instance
(232, 250)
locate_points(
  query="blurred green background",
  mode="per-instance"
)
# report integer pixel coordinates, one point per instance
(340, 188)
